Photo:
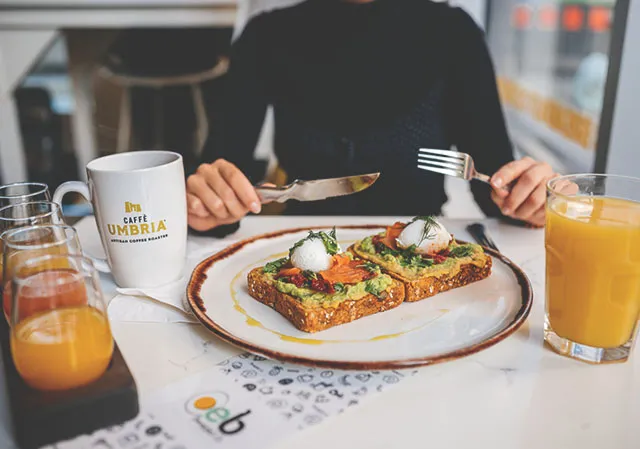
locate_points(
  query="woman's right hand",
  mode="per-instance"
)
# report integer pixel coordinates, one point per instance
(218, 194)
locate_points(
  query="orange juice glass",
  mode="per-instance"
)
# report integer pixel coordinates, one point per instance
(22, 214)
(22, 244)
(592, 245)
(60, 335)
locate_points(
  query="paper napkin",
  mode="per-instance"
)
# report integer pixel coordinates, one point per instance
(165, 304)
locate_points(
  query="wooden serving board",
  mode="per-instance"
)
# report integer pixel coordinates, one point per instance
(40, 418)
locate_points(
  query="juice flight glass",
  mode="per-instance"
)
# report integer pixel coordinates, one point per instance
(22, 244)
(593, 266)
(23, 192)
(69, 344)
(19, 215)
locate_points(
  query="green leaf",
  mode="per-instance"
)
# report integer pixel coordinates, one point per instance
(339, 287)
(369, 266)
(461, 251)
(274, 267)
(310, 274)
(373, 289)
(298, 244)
(329, 240)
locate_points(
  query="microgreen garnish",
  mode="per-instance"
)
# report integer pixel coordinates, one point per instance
(329, 240)
(461, 251)
(373, 289)
(369, 266)
(274, 267)
(406, 257)
(310, 274)
(339, 287)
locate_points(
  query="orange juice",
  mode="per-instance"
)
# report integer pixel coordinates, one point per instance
(46, 290)
(62, 349)
(593, 269)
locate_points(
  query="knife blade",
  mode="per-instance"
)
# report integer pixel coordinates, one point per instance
(318, 189)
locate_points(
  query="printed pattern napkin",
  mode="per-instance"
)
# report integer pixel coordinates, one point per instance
(244, 402)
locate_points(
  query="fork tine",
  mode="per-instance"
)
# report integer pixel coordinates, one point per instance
(443, 171)
(454, 166)
(449, 153)
(440, 158)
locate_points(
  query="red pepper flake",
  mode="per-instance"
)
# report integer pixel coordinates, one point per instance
(318, 285)
(439, 258)
(298, 280)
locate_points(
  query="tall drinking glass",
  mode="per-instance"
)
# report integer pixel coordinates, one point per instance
(20, 215)
(23, 192)
(22, 244)
(593, 266)
(69, 344)
(26, 214)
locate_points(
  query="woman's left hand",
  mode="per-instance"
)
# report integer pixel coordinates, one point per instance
(528, 194)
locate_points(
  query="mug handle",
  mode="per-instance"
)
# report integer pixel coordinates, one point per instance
(80, 187)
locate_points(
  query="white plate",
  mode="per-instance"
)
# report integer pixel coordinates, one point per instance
(447, 326)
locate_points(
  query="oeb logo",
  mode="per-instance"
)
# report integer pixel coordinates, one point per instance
(212, 413)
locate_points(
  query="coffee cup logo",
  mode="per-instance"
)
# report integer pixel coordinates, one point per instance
(130, 207)
(137, 227)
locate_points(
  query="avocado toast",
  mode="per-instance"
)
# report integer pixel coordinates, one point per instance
(317, 286)
(424, 257)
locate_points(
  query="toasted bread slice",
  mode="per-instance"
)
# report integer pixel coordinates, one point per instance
(427, 286)
(316, 318)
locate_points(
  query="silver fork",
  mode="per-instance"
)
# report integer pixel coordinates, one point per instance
(452, 163)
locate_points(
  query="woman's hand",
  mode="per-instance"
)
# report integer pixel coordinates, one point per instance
(217, 194)
(528, 194)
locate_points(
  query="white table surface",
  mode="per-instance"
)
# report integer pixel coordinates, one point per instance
(517, 394)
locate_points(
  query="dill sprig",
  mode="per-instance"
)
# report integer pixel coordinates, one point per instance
(430, 225)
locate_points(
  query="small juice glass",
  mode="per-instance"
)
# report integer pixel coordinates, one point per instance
(22, 244)
(23, 192)
(68, 344)
(20, 215)
(592, 266)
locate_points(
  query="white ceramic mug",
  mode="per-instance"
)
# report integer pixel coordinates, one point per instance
(140, 206)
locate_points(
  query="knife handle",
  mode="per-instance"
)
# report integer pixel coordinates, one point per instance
(480, 234)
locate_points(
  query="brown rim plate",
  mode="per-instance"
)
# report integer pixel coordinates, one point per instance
(223, 276)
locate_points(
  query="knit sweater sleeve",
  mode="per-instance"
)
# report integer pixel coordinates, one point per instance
(475, 114)
(234, 135)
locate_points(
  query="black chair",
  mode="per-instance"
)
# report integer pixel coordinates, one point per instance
(162, 73)
(42, 133)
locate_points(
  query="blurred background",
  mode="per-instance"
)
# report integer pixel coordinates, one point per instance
(84, 78)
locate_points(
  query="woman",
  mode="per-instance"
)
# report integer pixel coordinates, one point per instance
(359, 87)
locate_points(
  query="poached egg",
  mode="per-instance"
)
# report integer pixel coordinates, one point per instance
(311, 256)
(437, 239)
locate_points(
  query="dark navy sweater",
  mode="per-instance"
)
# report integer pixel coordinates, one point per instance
(358, 88)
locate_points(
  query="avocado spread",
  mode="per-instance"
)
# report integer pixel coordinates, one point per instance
(357, 291)
(407, 266)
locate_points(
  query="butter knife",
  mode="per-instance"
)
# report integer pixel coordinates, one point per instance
(480, 234)
(318, 189)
